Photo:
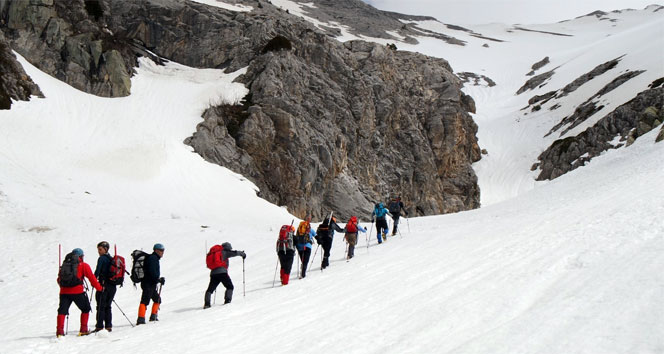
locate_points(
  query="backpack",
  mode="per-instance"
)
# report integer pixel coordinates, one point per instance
(303, 228)
(285, 241)
(394, 206)
(68, 274)
(380, 212)
(214, 258)
(323, 229)
(137, 271)
(351, 227)
(117, 270)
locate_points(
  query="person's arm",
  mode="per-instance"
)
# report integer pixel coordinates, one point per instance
(336, 227)
(234, 253)
(87, 272)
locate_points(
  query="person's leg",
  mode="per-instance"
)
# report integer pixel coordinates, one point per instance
(82, 302)
(212, 286)
(228, 284)
(156, 302)
(327, 246)
(63, 311)
(396, 223)
(100, 312)
(305, 260)
(146, 295)
(110, 291)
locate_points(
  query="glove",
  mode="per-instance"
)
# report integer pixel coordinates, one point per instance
(372, 220)
(243, 255)
(162, 281)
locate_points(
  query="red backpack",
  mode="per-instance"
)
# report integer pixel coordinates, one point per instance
(351, 227)
(285, 241)
(118, 270)
(214, 260)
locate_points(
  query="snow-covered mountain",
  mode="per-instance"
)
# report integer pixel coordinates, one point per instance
(568, 265)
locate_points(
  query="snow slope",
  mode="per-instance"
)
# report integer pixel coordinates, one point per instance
(573, 265)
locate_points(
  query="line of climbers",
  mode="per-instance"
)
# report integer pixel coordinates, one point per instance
(110, 271)
(301, 239)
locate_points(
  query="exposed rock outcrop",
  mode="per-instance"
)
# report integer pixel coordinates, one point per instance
(70, 41)
(15, 84)
(325, 126)
(538, 66)
(627, 123)
(536, 82)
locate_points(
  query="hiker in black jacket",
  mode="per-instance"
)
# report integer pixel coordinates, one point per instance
(104, 298)
(149, 284)
(220, 274)
(325, 236)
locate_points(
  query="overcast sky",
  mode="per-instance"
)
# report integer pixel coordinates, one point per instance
(506, 11)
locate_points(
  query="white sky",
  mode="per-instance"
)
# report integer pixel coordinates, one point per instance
(505, 11)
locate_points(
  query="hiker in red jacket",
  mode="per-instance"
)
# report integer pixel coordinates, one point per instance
(70, 279)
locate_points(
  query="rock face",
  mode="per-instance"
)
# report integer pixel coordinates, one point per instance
(15, 84)
(330, 126)
(70, 41)
(635, 118)
(326, 126)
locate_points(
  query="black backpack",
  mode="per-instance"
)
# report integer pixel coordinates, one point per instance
(68, 273)
(394, 207)
(137, 271)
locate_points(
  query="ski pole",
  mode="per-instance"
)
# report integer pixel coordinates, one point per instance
(275, 272)
(244, 293)
(67, 330)
(215, 297)
(314, 258)
(118, 306)
(408, 223)
(369, 236)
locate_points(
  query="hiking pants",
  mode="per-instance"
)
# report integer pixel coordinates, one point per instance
(286, 260)
(304, 258)
(224, 279)
(81, 301)
(351, 238)
(104, 302)
(395, 217)
(381, 227)
(327, 246)
(149, 293)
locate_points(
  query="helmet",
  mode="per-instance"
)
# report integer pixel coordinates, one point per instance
(78, 252)
(227, 246)
(158, 246)
(103, 244)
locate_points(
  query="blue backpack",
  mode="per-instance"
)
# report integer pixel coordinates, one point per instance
(379, 210)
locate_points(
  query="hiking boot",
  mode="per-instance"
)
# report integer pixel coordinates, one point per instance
(109, 329)
(206, 306)
(140, 321)
(83, 333)
(98, 329)
(153, 317)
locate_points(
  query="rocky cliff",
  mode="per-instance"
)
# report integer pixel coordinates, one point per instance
(15, 84)
(326, 126)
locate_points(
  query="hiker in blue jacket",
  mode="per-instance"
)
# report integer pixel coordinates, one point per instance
(303, 243)
(104, 298)
(379, 213)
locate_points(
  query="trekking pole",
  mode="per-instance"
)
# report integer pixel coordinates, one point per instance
(118, 306)
(408, 223)
(215, 297)
(244, 293)
(275, 271)
(314, 258)
(369, 236)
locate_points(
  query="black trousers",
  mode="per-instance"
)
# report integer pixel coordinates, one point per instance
(104, 302)
(286, 260)
(149, 293)
(304, 255)
(327, 246)
(224, 279)
(381, 227)
(81, 301)
(395, 217)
